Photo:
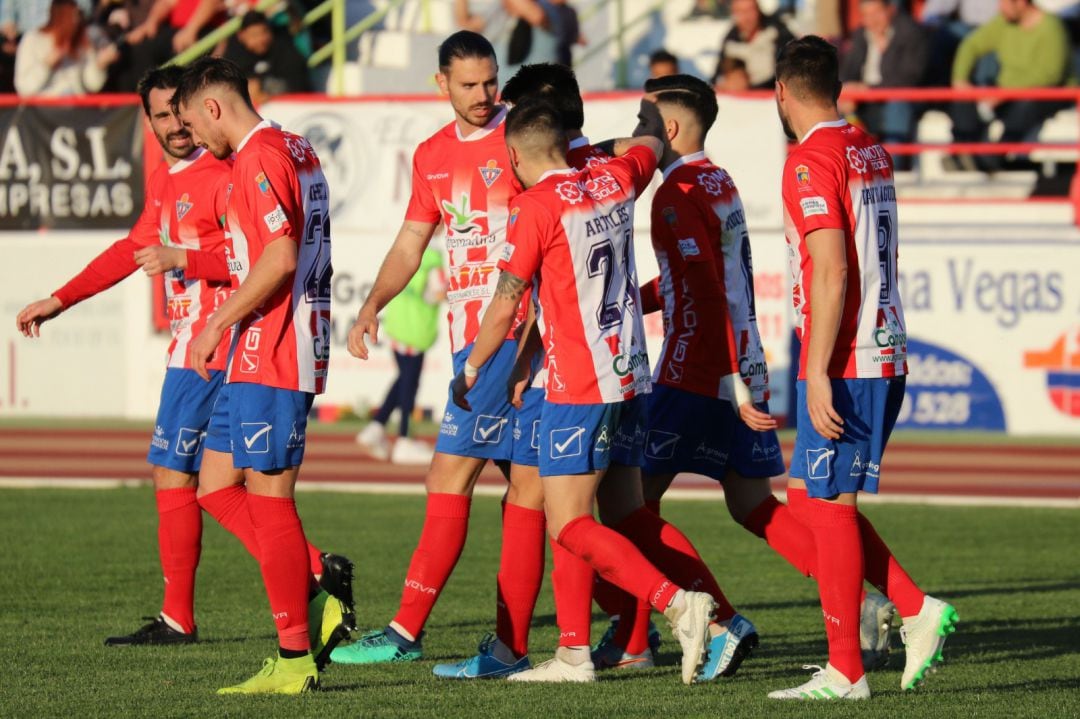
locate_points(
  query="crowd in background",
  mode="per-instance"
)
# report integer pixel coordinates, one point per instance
(72, 47)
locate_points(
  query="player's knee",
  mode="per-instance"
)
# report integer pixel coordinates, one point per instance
(451, 474)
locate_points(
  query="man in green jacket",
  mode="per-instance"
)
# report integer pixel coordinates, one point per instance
(1032, 50)
(411, 321)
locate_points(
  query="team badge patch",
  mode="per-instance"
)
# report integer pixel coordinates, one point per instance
(802, 175)
(514, 215)
(490, 173)
(263, 183)
(183, 206)
(669, 216)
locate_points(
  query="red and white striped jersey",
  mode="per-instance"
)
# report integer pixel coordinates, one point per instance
(185, 206)
(575, 229)
(706, 285)
(840, 178)
(278, 190)
(466, 183)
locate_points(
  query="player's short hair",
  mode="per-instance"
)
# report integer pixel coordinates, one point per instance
(159, 78)
(208, 72)
(663, 55)
(554, 84)
(689, 92)
(810, 69)
(536, 126)
(461, 45)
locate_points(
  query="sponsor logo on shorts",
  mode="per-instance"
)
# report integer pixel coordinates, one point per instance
(448, 427)
(661, 445)
(819, 463)
(603, 441)
(710, 454)
(296, 438)
(566, 442)
(860, 468)
(760, 453)
(188, 441)
(256, 437)
(488, 429)
(159, 440)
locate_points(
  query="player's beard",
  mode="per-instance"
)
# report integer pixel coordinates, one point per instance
(181, 152)
(784, 122)
(468, 114)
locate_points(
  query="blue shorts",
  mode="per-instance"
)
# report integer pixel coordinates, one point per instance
(586, 438)
(852, 463)
(526, 439)
(486, 431)
(183, 415)
(264, 428)
(690, 432)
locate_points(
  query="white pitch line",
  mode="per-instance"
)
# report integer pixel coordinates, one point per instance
(484, 490)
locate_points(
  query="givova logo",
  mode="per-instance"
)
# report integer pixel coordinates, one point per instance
(1061, 362)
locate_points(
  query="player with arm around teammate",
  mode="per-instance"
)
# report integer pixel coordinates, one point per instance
(571, 233)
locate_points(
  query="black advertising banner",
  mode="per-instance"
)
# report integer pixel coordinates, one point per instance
(70, 167)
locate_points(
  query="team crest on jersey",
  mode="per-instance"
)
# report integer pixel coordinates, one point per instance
(263, 183)
(490, 172)
(183, 206)
(802, 175)
(669, 216)
(514, 215)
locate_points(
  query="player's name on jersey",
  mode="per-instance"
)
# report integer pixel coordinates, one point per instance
(603, 223)
(879, 193)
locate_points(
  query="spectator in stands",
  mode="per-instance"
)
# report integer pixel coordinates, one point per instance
(545, 31)
(734, 77)
(888, 50)
(273, 64)
(464, 18)
(662, 64)
(174, 25)
(19, 17)
(9, 42)
(712, 9)
(949, 22)
(1032, 49)
(755, 39)
(65, 57)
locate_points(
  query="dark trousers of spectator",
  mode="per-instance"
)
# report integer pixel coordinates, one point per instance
(402, 394)
(890, 122)
(1020, 118)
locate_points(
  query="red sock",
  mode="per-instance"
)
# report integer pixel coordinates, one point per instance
(179, 543)
(441, 541)
(632, 634)
(284, 565)
(521, 572)
(774, 522)
(840, 578)
(669, 549)
(885, 573)
(229, 507)
(572, 584)
(618, 560)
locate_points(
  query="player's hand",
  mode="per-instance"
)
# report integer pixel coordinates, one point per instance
(460, 388)
(156, 260)
(185, 38)
(202, 348)
(520, 379)
(755, 419)
(367, 324)
(30, 319)
(819, 405)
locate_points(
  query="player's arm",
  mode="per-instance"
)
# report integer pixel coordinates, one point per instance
(401, 263)
(650, 296)
(827, 252)
(275, 265)
(104, 271)
(529, 345)
(498, 318)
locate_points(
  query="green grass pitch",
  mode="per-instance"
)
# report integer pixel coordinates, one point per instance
(78, 565)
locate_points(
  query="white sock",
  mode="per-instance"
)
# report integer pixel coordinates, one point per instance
(574, 656)
(401, 630)
(678, 602)
(171, 622)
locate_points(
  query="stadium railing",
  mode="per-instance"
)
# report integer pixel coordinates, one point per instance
(1060, 95)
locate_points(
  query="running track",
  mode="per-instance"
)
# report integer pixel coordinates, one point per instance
(910, 468)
